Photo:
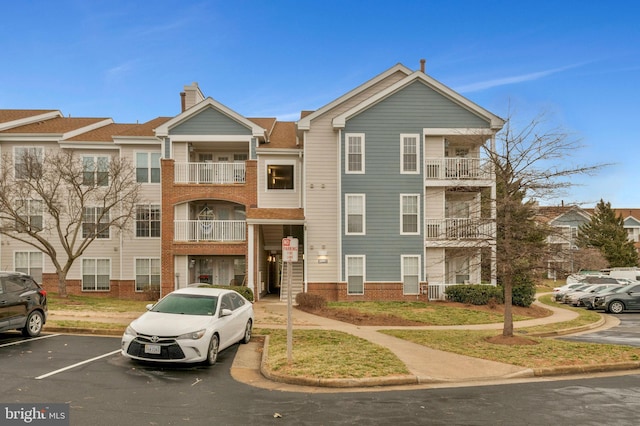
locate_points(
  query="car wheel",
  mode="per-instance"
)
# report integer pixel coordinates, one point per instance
(247, 333)
(212, 353)
(34, 324)
(616, 307)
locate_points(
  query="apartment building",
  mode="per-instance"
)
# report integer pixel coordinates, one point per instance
(386, 189)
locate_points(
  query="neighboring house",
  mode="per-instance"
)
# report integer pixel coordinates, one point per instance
(385, 188)
(568, 219)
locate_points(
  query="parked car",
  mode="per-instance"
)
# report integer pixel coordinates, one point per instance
(574, 298)
(558, 292)
(559, 295)
(189, 325)
(23, 304)
(588, 300)
(625, 298)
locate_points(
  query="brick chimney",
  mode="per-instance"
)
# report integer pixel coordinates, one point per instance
(422, 63)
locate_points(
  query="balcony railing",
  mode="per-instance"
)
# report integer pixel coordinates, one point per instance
(456, 168)
(459, 229)
(210, 173)
(437, 291)
(210, 230)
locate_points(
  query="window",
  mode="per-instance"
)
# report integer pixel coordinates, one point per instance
(148, 220)
(410, 274)
(410, 211)
(95, 222)
(27, 162)
(148, 167)
(147, 274)
(30, 212)
(279, 176)
(355, 274)
(355, 214)
(409, 154)
(95, 171)
(354, 153)
(96, 274)
(29, 262)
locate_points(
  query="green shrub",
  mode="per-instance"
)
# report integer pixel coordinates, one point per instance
(310, 301)
(523, 292)
(475, 294)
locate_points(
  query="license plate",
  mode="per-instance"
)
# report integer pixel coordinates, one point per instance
(152, 349)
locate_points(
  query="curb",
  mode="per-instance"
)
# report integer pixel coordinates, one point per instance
(331, 383)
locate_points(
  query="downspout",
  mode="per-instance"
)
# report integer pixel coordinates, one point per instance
(304, 209)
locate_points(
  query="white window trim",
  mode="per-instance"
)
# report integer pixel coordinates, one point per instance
(269, 163)
(402, 196)
(149, 168)
(403, 274)
(346, 153)
(418, 160)
(135, 221)
(29, 252)
(135, 271)
(364, 271)
(82, 273)
(96, 237)
(96, 171)
(363, 197)
(15, 148)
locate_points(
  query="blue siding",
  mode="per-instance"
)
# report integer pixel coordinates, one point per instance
(570, 218)
(408, 111)
(210, 122)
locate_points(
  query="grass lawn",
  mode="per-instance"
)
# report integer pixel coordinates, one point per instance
(331, 354)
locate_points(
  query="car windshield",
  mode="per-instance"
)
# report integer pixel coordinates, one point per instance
(186, 304)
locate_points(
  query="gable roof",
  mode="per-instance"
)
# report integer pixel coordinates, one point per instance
(163, 129)
(305, 122)
(19, 117)
(495, 122)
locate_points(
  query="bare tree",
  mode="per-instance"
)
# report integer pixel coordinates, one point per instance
(531, 163)
(59, 205)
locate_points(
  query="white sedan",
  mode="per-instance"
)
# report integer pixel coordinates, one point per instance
(189, 325)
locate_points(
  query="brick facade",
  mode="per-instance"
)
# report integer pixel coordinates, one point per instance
(337, 292)
(174, 193)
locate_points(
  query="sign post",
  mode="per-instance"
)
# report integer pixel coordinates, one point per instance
(289, 254)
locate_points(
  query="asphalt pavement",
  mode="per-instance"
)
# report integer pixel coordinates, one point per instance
(426, 365)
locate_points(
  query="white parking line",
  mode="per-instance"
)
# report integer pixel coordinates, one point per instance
(44, 376)
(29, 340)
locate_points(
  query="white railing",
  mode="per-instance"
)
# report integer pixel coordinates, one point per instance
(456, 168)
(212, 173)
(210, 230)
(459, 229)
(436, 291)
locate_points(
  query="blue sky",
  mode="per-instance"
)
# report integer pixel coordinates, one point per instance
(576, 61)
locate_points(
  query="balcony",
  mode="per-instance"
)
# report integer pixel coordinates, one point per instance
(210, 173)
(459, 229)
(457, 168)
(210, 230)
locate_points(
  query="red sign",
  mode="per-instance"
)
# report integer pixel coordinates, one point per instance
(290, 249)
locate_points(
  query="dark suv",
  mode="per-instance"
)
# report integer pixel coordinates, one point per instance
(23, 304)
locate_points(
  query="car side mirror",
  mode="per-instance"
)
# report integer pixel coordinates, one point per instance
(226, 312)
(149, 306)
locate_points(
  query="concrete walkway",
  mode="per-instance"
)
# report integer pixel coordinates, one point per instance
(426, 365)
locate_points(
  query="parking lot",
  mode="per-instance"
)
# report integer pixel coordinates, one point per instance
(626, 333)
(103, 387)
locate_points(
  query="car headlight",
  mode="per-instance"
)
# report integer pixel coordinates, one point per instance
(130, 331)
(195, 335)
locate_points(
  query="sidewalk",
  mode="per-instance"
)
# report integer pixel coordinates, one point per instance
(426, 365)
